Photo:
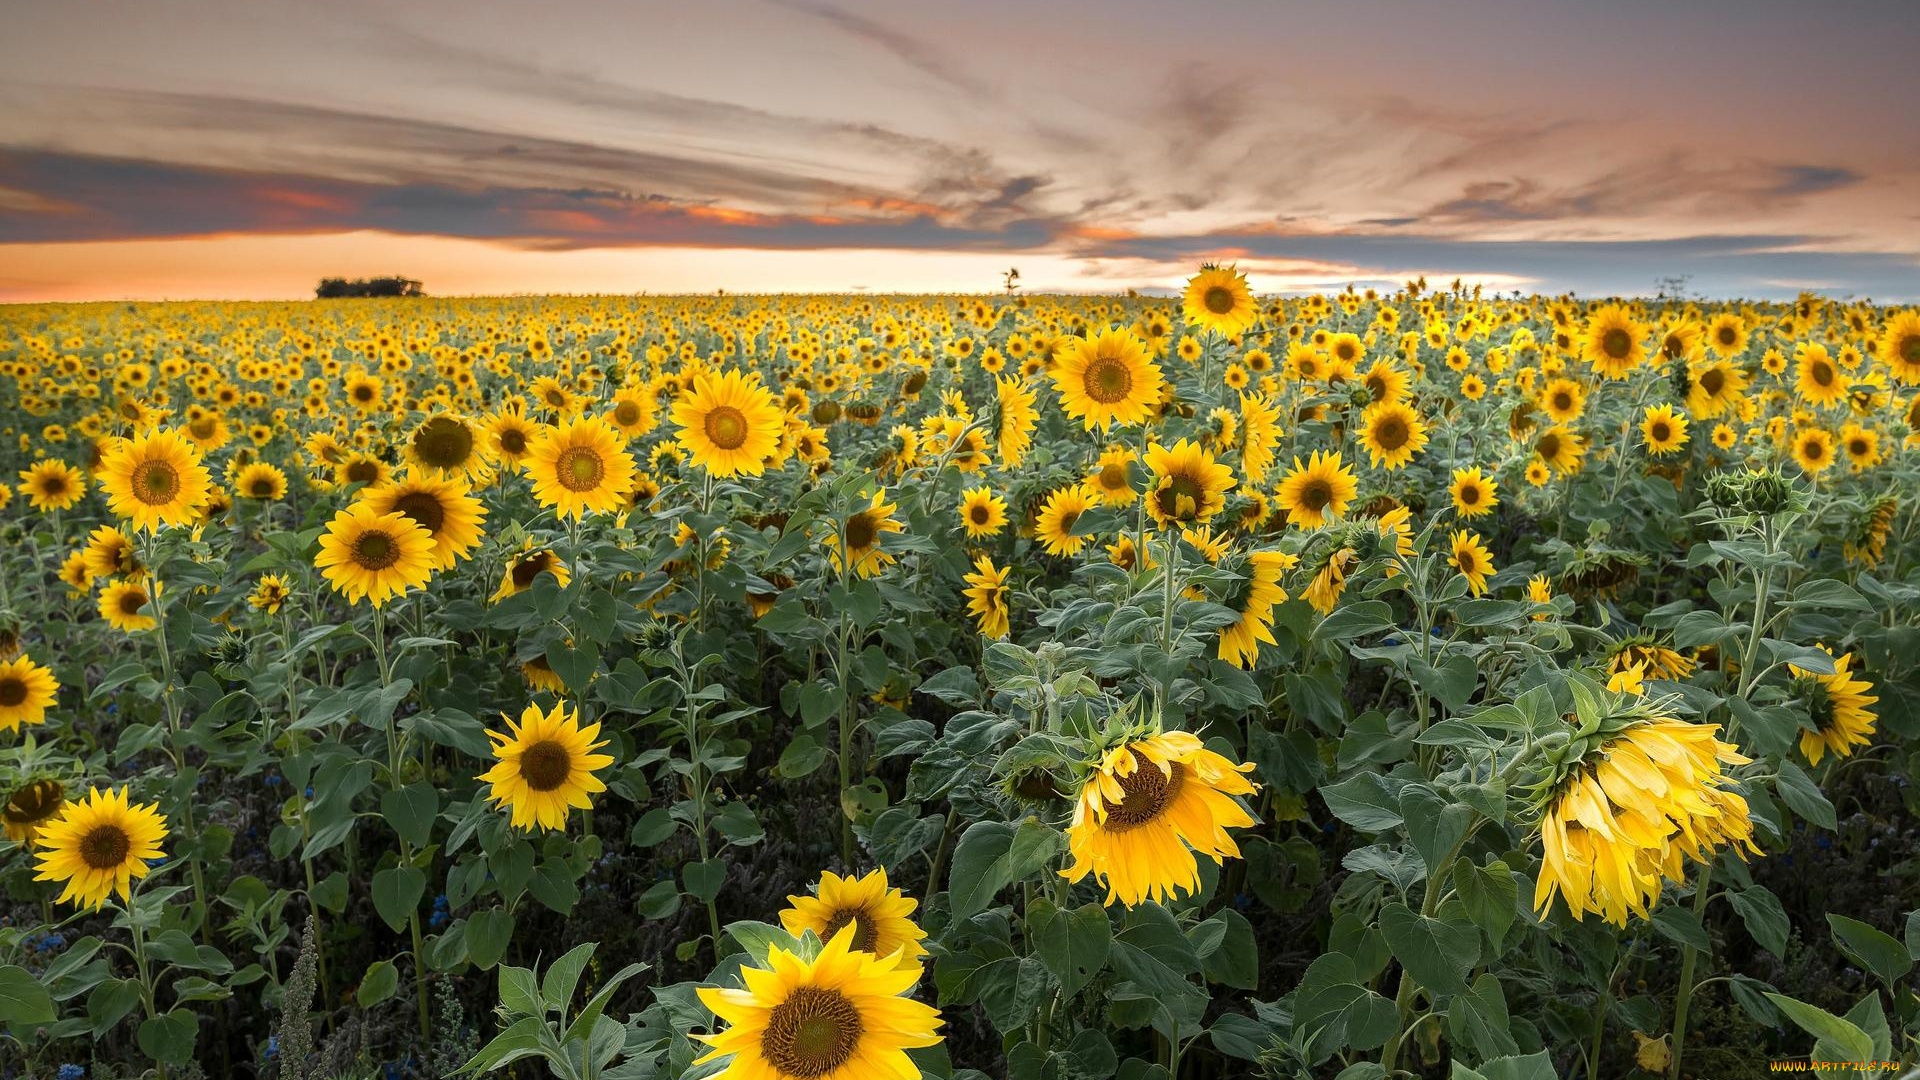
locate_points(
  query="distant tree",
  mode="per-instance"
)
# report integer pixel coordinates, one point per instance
(334, 288)
(1012, 279)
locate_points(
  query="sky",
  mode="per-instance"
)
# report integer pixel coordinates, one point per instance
(246, 148)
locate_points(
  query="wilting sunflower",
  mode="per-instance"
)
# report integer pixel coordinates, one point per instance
(124, 604)
(986, 594)
(260, 481)
(99, 845)
(1318, 491)
(1473, 495)
(580, 466)
(1148, 806)
(1219, 299)
(439, 504)
(1107, 379)
(155, 479)
(51, 484)
(1867, 543)
(269, 594)
(861, 533)
(1017, 417)
(729, 423)
(111, 553)
(1817, 379)
(26, 691)
(1254, 600)
(881, 917)
(526, 567)
(1655, 659)
(1560, 447)
(1663, 430)
(840, 1016)
(1839, 705)
(1614, 342)
(365, 554)
(1392, 433)
(982, 512)
(1899, 346)
(1813, 450)
(1054, 525)
(1260, 435)
(1473, 560)
(1187, 485)
(31, 807)
(546, 766)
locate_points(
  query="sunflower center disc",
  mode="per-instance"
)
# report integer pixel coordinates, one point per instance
(362, 472)
(1470, 495)
(1391, 433)
(981, 515)
(579, 468)
(866, 934)
(423, 509)
(545, 765)
(1108, 380)
(811, 1033)
(1316, 495)
(1661, 433)
(626, 414)
(1616, 343)
(156, 482)
(132, 602)
(35, 802)
(529, 568)
(1113, 477)
(1219, 300)
(1712, 380)
(1548, 446)
(1148, 793)
(513, 441)
(727, 427)
(1910, 349)
(105, 847)
(861, 531)
(13, 691)
(444, 443)
(375, 551)
(1823, 374)
(1180, 497)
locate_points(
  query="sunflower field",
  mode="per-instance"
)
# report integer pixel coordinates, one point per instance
(1426, 684)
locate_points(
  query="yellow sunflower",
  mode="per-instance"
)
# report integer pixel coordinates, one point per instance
(1473, 560)
(1054, 525)
(1260, 435)
(545, 766)
(1187, 485)
(1614, 342)
(1560, 447)
(124, 605)
(1663, 430)
(1108, 379)
(1473, 495)
(1318, 491)
(26, 691)
(982, 512)
(261, 481)
(1839, 705)
(1392, 434)
(155, 479)
(1254, 601)
(861, 534)
(1727, 334)
(729, 423)
(1563, 400)
(633, 411)
(365, 554)
(1817, 379)
(51, 484)
(269, 594)
(1013, 434)
(1219, 299)
(881, 917)
(440, 504)
(448, 444)
(111, 553)
(986, 594)
(98, 845)
(1148, 806)
(1813, 450)
(1112, 477)
(1715, 388)
(510, 436)
(1899, 346)
(30, 808)
(526, 567)
(580, 466)
(840, 1016)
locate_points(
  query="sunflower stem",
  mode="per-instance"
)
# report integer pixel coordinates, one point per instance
(171, 706)
(1683, 997)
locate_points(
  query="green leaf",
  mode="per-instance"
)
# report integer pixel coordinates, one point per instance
(1878, 952)
(653, 827)
(410, 810)
(1766, 920)
(520, 1040)
(992, 855)
(1435, 825)
(704, 879)
(378, 984)
(1438, 953)
(1854, 1044)
(110, 1002)
(1072, 943)
(520, 991)
(169, 1037)
(1680, 924)
(488, 933)
(1234, 958)
(1479, 1019)
(396, 893)
(1363, 802)
(1802, 795)
(563, 976)
(1488, 893)
(23, 1001)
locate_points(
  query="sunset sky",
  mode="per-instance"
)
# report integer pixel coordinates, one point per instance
(202, 148)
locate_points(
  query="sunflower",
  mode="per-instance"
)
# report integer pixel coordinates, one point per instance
(986, 594)
(51, 484)
(1899, 346)
(633, 411)
(1318, 491)
(1614, 343)
(1219, 299)
(839, 1016)
(1325, 587)
(1839, 706)
(1473, 495)
(365, 554)
(1260, 435)
(546, 765)
(269, 594)
(1013, 435)
(526, 567)
(1714, 389)
(1539, 591)
(1384, 381)
(1867, 544)
(1563, 400)
(111, 553)
(1658, 661)
(1813, 450)
(1727, 334)
(99, 845)
(510, 436)
(1473, 560)
(441, 505)
(1392, 434)
(1663, 429)
(1112, 477)
(1108, 379)
(261, 481)
(1187, 484)
(26, 691)
(1560, 447)
(360, 468)
(1861, 445)
(861, 533)
(579, 466)
(124, 605)
(30, 808)
(982, 512)
(1254, 601)
(1632, 810)
(1817, 379)
(155, 479)
(1148, 806)
(729, 423)
(1054, 525)
(880, 917)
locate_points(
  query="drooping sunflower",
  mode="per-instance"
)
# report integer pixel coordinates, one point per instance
(1107, 379)
(1254, 600)
(30, 807)
(27, 690)
(98, 845)
(155, 479)
(111, 553)
(1260, 435)
(1054, 525)
(51, 484)
(1017, 417)
(1318, 491)
(1187, 486)
(1656, 660)
(861, 534)
(1473, 495)
(124, 605)
(840, 1016)
(1899, 346)
(1813, 450)
(982, 512)
(545, 766)
(580, 466)
(1392, 433)
(986, 594)
(1149, 805)
(1663, 430)
(1817, 379)
(269, 594)
(1866, 543)
(526, 567)
(1561, 448)
(1840, 705)
(440, 504)
(881, 917)
(1219, 299)
(261, 480)
(1614, 342)
(1473, 560)
(365, 554)
(729, 423)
